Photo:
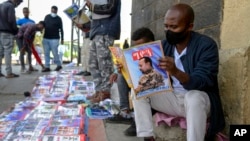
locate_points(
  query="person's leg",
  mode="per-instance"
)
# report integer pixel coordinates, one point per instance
(22, 53)
(167, 103)
(8, 44)
(93, 64)
(85, 56)
(105, 61)
(54, 43)
(29, 56)
(197, 107)
(123, 90)
(46, 47)
(105, 65)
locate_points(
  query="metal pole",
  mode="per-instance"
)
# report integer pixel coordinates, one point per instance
(72, 39)
(29, 4)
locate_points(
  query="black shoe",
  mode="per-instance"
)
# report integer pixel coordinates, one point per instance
(46, 70)
(131, 131)
(12, 75)
(80, 73)
(58, 68)
(86, 73)
(119, 119)
(1, 75)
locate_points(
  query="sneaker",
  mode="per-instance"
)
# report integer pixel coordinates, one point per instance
(119, 119)
(12, 75)
(46, 70)
(1, 75)
(86, 73)
(58, 68)
(131, 131)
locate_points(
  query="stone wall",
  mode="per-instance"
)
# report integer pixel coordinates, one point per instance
(228, 23)
(150, 13)
(234, 61)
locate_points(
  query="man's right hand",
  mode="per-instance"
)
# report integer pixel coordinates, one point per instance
(113, 78)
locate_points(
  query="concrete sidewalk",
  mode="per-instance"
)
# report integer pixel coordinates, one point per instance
(11, 92)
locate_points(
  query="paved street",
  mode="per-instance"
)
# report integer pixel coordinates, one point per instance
(11, 92)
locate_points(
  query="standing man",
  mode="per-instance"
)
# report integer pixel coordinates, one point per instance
(26, 18)
(193, 70)
(8, 29)
(105, 28)
(51, 38)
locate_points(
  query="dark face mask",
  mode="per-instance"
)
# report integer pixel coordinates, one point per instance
(174, 38)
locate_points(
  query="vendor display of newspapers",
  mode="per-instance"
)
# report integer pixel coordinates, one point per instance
(54, 110)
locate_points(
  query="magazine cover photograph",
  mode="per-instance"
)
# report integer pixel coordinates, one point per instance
(142, 64)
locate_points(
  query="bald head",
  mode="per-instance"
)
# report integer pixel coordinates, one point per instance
(185, 12)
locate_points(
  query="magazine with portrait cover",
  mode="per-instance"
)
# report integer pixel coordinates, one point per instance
(146, 78)
(117, 54)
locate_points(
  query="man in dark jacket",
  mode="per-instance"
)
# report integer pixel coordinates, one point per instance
(51, 38)
(8, 29)
(192, 60)
(105, 28)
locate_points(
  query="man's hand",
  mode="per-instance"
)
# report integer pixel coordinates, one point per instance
(89, 4)
(62, 42)
(78, 25)
(138, 89)
(167, 63)
(113, 78)
(119, 67)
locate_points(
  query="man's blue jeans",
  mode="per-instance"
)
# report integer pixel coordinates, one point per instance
(51, 45)
(124, 90)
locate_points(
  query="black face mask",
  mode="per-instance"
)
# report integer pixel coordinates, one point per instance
(174, 38)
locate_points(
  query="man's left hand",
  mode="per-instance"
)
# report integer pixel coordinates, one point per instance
(62, 42)
(167, 63)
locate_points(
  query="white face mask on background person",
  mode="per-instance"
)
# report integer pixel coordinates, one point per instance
(53, 15)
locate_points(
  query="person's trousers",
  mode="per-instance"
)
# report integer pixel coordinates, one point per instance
(123, 90)
(6, 47)
(100, 62)
(194, 105)
(51, 45)
(22, 50)
(85, 54)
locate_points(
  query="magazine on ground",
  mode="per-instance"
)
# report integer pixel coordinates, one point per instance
(141, 63)
(81, 137)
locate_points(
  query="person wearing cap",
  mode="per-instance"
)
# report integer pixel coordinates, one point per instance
(8, 28)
